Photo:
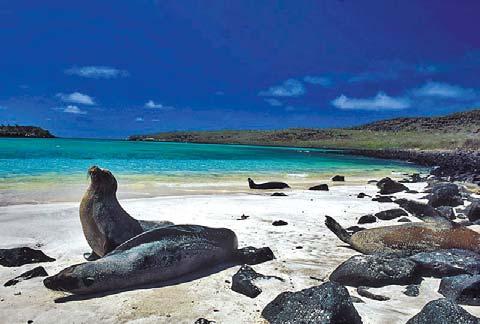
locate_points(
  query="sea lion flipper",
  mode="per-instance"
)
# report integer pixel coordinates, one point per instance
(338, 230)
(92, 256)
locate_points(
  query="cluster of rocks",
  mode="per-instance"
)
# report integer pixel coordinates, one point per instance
(20, 256)
(459, 165)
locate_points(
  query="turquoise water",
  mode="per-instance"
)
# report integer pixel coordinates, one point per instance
(31, 158)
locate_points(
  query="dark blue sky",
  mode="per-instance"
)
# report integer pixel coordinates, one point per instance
(116, 68)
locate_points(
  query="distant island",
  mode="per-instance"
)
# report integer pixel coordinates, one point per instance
(24, 131)
(451, 132)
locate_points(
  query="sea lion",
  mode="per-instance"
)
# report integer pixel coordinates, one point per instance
(154, 256)
(105, 223)
(411, 237)
(267, 185)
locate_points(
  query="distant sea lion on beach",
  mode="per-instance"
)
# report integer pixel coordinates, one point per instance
(105, 223)
(267, 185)
(154, 256)
(411, 237)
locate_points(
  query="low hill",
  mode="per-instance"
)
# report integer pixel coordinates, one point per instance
(455, 131)
(24, 131)
(467, 120)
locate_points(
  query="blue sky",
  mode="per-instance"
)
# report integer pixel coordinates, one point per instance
(115, 68)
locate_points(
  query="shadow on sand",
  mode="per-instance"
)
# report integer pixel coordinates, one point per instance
(183, 279)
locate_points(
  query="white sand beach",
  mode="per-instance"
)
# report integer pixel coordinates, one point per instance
(55, 229)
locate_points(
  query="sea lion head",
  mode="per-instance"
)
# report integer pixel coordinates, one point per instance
(68, 280)
(102, 180)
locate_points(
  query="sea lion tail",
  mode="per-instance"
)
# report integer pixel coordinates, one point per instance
(338, 230)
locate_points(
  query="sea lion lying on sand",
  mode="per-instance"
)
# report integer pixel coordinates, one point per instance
(267, 185)
(154, 256)
(411, 237)
(105, 223)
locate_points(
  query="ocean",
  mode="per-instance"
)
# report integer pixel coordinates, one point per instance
(45, 164)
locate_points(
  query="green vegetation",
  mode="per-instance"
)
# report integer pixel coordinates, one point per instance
(461, 130)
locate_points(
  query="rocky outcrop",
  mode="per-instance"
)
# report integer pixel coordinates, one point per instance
(24, 131)
(391, 214)
(320, 187)
(459, 165)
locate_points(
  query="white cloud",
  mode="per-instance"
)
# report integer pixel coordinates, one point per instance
(289, 88)
(71, 109)
(274, 102)
(154, 105)
(323, 81)
(380, 102)
(139, 119)
(97, 72)
(76, 97)
(444, 90)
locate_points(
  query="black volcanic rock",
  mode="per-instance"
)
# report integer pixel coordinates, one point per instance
(447, 212)
(364, 292)
(251, 255)
(443, 311)
(412, 290)
(279, 194)
(279, 223)
(320, 187)
(473, 211)
(35, 272)
(444, 263)
(338, 178)
(463, 289)
(391, 214)
(388, 186)
(419, 210)
(365, 219)
(383, 199)
(404, 220)
(328, 303)
(243, 281)
(376, 270)
(445, 194)
(23, 255)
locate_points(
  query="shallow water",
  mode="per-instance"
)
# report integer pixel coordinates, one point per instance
(52, 164)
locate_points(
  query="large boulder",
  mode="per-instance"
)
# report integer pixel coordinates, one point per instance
(23, 255)
(473, 211)
(443, 311)
(391, 214)
(329, 303)
(376, 270)
(463, 289)
(445, 263)
(445, 194)
(338, 178)
(388, 186)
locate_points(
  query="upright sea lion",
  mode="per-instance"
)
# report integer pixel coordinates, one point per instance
(411, 237)
(154, 256)
(105, 223)
(267, 185)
